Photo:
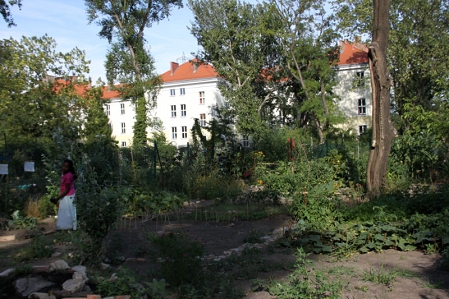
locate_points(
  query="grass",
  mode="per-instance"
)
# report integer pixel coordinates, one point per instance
(381, 276)
(235, 212)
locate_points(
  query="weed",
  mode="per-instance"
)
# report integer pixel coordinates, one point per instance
(381, 276)
(38, 248)
(342, 270)
(433, 285)
(19, 222)
(254, 237)
(113, 249)
(180, 257)
(306, 282)
(157, 289)
(124, 282)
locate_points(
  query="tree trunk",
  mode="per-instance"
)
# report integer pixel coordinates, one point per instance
(383, 130)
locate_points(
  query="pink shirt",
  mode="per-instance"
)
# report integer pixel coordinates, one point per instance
(68, 179)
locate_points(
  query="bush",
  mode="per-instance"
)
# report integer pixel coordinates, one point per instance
(180, 257)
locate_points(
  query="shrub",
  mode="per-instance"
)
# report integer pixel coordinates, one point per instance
(180, 257)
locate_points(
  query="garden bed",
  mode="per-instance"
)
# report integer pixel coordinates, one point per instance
(389, 274)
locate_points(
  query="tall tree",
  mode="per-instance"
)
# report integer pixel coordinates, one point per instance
(128, 61)
(5, 10)
(37, 96)
(417, 58)
(383, 130)
(239, 40)
(308, 45)
(97, 122)
(417, 55)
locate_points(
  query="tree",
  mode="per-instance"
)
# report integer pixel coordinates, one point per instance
(417, 58)
(97, 122)
(383, 130)
(128, 61)
(238, 39)
(6, 12)
(37, 96)
(309, 54)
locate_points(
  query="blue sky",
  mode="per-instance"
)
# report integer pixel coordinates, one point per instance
(66, 22)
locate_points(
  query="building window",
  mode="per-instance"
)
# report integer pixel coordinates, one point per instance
(174, 133)
(245, 141)
(203, 119)
(172, 92)
(362, 129)
(123, 143)
(183, 110)
(184, 132)
(173, 110)
(123, 128)
(122, 108)
(361, 103)
(202, 98)
(360, 80)
(182, 91)
(108, 110)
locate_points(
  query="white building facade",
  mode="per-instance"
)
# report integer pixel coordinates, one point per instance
(190, 91)
(354, 87)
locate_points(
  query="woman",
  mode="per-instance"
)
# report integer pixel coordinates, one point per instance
(67, 209)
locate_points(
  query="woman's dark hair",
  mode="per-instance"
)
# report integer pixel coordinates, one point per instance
(71, 168)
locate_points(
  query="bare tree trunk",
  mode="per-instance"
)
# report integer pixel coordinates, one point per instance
(383, 130)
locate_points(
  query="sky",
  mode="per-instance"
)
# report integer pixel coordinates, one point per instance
(66, 22)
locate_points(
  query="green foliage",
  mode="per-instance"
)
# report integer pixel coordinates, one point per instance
(306, 282)
(180, 257)
(39, 247)
(254, 237)
(19, 222)
(156, 289)
(151, 203)
(98, 208)
(128, 61)
(247, 30)
(418, 156)
(33, 104)
(125, 282)
(6, 12)
(381, 276)
(205, 181)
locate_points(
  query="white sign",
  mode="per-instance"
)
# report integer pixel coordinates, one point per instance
(28, 167)
(3, 168)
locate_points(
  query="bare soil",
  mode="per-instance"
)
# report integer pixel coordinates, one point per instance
(417, 275)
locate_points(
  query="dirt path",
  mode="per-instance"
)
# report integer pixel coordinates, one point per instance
(413, 274)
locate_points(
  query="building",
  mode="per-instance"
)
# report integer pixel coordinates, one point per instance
(354, 86)
(190, 91)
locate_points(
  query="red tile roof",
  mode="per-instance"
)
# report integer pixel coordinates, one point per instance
(353, 53)
(188, 71)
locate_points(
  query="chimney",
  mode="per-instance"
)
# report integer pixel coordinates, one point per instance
(173, 67)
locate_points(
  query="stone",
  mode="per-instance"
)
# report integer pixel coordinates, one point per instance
(81, 270)
(60, 265)
(93, 297)
(73, 285)
(185, 204)
(56, 254)
(26, 286)
(7, 238)
(7, 272)
(79, 276)
(105, 266)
